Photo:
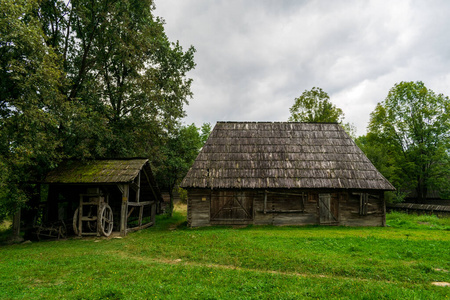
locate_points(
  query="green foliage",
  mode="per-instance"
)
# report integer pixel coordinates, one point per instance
(178, 154)
(315, 106)
(83, 80)
(262, 262)
(409, 137)
(412, 221)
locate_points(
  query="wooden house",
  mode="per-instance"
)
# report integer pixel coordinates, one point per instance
(283, 174)
(101, 196)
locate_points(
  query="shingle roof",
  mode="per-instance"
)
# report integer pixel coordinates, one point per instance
(282, 155)
(97, 171)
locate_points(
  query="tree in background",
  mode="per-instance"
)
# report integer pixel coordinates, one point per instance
(409, 138)
(315, 106)
(178, 155)
(83, 80)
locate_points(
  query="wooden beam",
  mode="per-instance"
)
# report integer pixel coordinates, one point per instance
(140, 227)
(281, 211)
(124, 210)
(141, 203)
(265, 202)
(138, 191)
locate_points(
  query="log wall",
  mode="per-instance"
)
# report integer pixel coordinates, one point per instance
(283, 207)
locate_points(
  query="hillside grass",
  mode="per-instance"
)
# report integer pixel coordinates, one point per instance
(171, 261)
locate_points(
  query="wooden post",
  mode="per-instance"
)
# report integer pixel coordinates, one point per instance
(265, 202)
(138, 191)
(124, 210)
(153, 212)
(80, 216)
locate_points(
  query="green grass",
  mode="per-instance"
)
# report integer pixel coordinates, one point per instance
(170, 261)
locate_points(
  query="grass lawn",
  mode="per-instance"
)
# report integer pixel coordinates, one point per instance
(170, 261)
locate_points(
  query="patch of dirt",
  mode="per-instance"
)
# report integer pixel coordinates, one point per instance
(441, 283)
(441, 270)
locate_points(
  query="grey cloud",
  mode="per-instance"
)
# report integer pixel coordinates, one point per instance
(254, 57)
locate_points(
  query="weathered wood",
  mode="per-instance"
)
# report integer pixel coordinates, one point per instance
(141, 203)
(106, 220)
(280, 211)
(124, 210)
(141, 213)
(140, 227)
(130, 212)
(296, 207)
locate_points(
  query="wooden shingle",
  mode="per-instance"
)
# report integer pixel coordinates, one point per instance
(282, 155)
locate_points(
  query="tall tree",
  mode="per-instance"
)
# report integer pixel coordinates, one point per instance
(31, 105)
(120, 63)
(315, 106)
(84, 79)
(178, 155)
(413, 125)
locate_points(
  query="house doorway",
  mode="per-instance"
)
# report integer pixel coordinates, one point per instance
(328, 209)
(231, 207)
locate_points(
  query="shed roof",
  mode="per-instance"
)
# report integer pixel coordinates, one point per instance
(97, 171)
(282, 155)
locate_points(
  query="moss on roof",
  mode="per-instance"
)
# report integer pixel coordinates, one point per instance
(97, 171)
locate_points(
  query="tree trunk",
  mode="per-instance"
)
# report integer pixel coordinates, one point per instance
(16, 228)
(170, 210)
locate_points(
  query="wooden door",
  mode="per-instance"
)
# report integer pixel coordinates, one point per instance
(328, 209)
(231, 206)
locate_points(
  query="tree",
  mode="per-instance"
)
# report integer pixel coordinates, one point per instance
(83, 79)
(178, 155)
(412, 126)
(31, 105)
(315, 106)
(120, 64)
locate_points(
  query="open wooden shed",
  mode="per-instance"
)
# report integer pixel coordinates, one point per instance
(284, 174)
(102, 196)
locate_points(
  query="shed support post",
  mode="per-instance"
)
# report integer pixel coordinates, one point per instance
(124, 209)
(265, 202)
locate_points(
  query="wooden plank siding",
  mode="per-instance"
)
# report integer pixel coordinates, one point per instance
(284, 173)
(281, 207)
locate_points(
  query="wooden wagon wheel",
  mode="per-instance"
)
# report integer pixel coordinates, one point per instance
(106, 220)
(62, 231)
(91, 225)
(75, 222)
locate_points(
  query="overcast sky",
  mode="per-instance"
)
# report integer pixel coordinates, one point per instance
(255, 57)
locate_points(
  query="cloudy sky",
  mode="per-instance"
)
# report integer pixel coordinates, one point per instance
(255, 57)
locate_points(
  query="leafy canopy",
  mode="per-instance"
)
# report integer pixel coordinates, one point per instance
(84, 79)
(179, 153)
(315, 106)
(412, 127)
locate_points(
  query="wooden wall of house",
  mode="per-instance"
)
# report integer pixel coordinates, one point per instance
(283, 207)
(374, 215)
(198, 207)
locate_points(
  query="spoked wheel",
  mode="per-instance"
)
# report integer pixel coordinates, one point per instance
(62, 231)
(75, 222)
(106, 220)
